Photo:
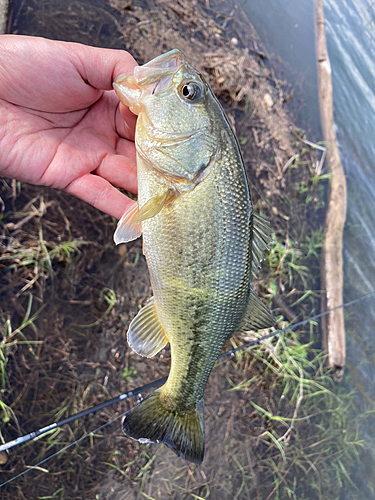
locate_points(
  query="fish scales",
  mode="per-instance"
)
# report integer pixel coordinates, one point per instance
(196, 217)
(197, 253)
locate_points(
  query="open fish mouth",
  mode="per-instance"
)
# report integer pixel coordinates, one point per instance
(154, 76)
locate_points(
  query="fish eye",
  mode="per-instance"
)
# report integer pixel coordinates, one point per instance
(191, 91)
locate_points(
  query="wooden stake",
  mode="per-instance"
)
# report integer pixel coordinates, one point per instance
(332, 262)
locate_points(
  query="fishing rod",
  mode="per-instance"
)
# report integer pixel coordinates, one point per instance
(156, 383)
(76, 416)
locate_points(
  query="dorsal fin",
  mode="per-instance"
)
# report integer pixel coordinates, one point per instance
(257, 315)
(145, 335)
(261, 237)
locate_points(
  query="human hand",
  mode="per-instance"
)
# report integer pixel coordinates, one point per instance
(61, 124)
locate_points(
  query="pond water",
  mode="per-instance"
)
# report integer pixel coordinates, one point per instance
(351, 45)
(286, 27)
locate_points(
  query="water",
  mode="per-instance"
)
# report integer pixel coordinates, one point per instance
(287, 30)
(351, 44)
(286, 27)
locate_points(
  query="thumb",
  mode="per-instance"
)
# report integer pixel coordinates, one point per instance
(98, 67)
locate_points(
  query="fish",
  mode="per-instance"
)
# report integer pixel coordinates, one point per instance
(202, 241)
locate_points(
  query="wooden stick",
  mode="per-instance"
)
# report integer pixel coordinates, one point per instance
(332, 262)
(4, 9)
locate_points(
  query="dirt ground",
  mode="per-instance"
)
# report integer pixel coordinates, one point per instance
(68, 294)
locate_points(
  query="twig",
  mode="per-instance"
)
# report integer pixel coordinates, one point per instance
(289, 162)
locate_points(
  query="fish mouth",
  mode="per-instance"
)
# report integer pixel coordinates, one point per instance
(154, 76)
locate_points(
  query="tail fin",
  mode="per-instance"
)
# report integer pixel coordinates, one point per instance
(151, 422)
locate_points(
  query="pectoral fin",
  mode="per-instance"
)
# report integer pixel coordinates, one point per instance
(127, 228)
(145, 335)
(153, 206)
(257, 315)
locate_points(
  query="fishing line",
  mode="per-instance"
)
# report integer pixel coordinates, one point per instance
(292, 327)
(139, 390)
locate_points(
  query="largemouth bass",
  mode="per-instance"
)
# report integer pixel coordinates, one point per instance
(201, 239)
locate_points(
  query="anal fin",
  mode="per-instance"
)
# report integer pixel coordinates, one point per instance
(145, 335)
(257, 315)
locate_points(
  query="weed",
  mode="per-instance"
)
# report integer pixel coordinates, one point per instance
(128, 373)
(58, 495)
(321, 437)
(285, 263)
(107, 296)
(38, 257)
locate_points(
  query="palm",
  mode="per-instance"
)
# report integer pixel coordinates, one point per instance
(61, 130)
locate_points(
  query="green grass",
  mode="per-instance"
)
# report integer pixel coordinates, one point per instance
(128, 373)
(318, 434)
(12, 339)
(107, 296)
(40, 254)
(310, 432)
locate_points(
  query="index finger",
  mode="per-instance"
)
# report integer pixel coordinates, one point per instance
(100, 193)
